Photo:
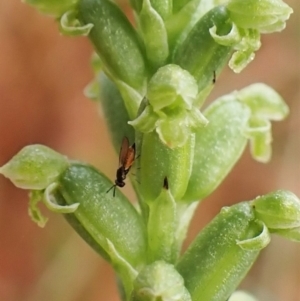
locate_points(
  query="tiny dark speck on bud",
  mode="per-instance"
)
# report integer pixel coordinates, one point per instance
(166, 183)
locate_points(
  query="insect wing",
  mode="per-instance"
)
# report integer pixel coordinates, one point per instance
(123, 152)
(129, 158)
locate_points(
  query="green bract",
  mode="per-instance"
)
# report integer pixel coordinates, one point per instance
(224, 134)
(214, 264)
(151, 25)
(35, 167)
(115, 40)
(158, 161)
(199, 53)
(114, 112)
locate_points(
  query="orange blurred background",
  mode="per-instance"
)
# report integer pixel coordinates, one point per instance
(42, 75)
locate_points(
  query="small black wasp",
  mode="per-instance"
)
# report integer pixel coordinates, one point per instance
(126, 159)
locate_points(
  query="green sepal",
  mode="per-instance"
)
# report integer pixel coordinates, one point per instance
(35, 196)
(257, 242)
(160, 281)
(199, 53)
(244, 49)
(71, 26)
(244, 43)
(51, 204)
(158, 161)
(259, 133)
(265, 104)
(278, 210)
(267, 16)
(114, 112)
(152, 25)
(115, 40)
(34, 167)
(228, 118)
(172, 87)
(46, 196)
(214, 265)
(54, 8)
(161, 227)
(146, 121)
(132, 98)
(104, 217)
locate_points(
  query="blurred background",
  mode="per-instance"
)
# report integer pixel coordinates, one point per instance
(42, 75)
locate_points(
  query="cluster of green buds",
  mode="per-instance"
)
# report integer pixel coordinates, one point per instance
(151, 80)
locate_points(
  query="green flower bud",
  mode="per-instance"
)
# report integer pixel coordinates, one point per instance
(265, 15)
(160, 281)
(172, 93)
(228, 119)
(278, 210)
(115, 40)
(171, 86)
(215, 264)
(154, 34)
(104, 217)
(52, 7)
(158, 161)
(35, 167)
(199, 53)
